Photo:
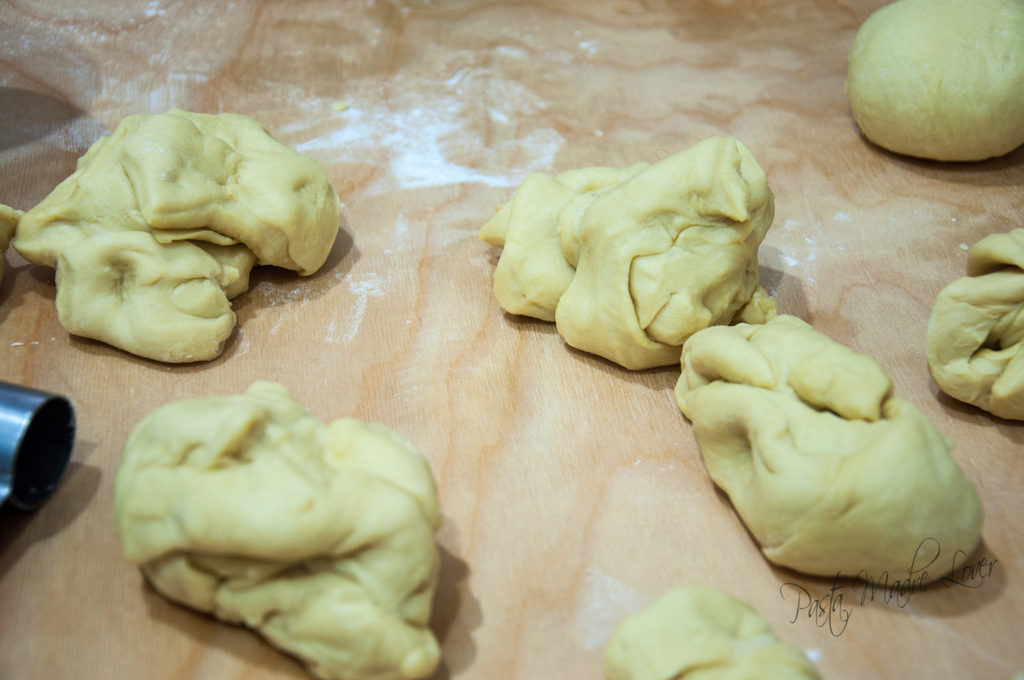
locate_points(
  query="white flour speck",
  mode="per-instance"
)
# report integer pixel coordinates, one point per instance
(371, 285)
(243, 343)
(285, 315)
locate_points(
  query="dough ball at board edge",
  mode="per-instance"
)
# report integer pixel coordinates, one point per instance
(941, 79)
(690, 628)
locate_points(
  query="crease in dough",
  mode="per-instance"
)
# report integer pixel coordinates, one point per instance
(975, 341)
(630, 262)
(827, 469)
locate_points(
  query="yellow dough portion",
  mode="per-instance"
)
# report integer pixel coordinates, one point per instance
(217, 183)
(163, 302)
(630, 262)
(320, 537)
(699, 633)
(8, 223)
(976, 330)
(941, 79)
(216, 178)
(829, 472)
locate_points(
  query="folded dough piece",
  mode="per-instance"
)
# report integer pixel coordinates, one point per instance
(976, 330)
(631, 262)
(219, 181)
(699, 633)
(164, 302)
(318, 536)
(828, 471)
(8, 223)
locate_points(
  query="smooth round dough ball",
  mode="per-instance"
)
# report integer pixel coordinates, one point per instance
(941, 79)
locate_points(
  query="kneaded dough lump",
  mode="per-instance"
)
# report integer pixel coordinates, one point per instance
(941, 79)
(319, 536)
(829, 471)
(699, 633)
(218, 184)
(976, 330)
(8, 223)
(630, 262)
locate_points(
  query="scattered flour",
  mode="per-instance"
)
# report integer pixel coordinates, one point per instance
(370, 285)
(414, 140)
(602, 605)
(419, 135)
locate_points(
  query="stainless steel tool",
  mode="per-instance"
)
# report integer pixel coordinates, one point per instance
(37, 433)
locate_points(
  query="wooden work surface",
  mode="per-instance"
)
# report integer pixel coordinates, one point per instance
(573, 491)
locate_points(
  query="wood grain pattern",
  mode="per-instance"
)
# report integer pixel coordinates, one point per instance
(573, 491)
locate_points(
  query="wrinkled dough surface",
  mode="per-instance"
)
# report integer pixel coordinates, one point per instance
(941, 79)
(318, 536)
(699, 633)
(829, 472)
(976, 329)
(219, 183)
(191, 176)
(166, 303)
(630, 262)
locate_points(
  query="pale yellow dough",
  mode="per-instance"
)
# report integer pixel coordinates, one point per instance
(699, 633)
(829, 471)
(941, 79)
(8, 223)
(630, 262)
(320, 537)
(218, 184)
(976, 330)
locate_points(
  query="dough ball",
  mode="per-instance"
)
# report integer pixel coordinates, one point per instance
(320, 537)
(166, 303)
(218, 182)
(976, 330)
(829, 472)
(8, 223)
(941, 79)
(191, 176)
(697, 632)
(630, 262)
